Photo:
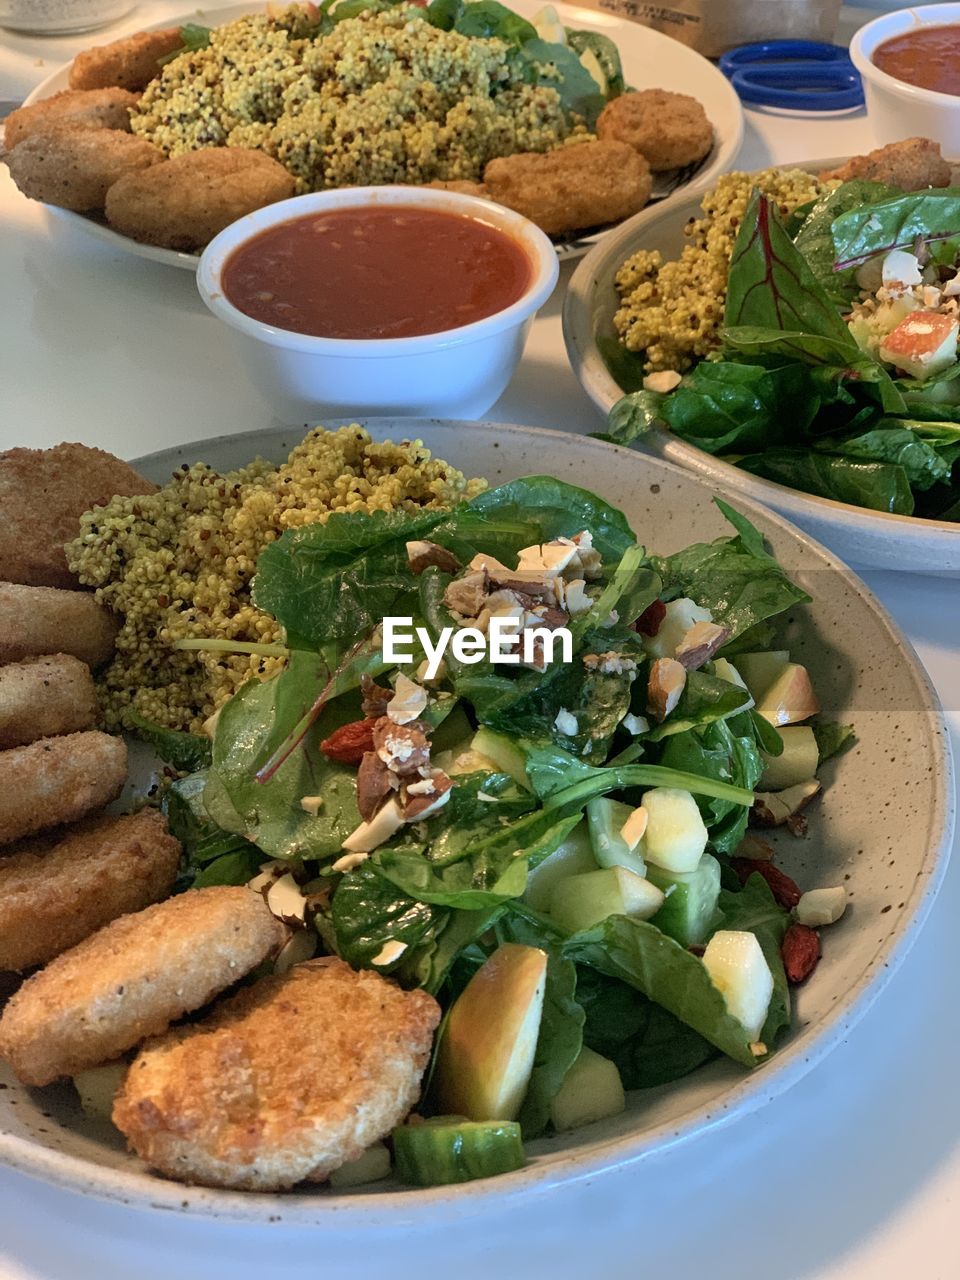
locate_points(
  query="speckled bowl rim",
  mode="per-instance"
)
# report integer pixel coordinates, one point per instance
(142, 1190)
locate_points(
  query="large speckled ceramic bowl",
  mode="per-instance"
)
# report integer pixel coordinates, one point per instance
(870, 539)
(883, 828)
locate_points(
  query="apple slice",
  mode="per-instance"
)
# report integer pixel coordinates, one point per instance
(759, 670)
(591, 1090)
(572, 857)
(579, 902)
(675, 837)
(738, 969)
(790, 698)
(488, 1042)
(796, 763)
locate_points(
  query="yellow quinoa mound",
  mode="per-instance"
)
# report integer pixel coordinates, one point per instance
(673, 311)
(178, 564)
(383, 97)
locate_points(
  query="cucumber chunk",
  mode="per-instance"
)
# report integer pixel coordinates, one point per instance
(579, 902)
(591, 1090)
(571, 857)
(606, 819)
(506, 755)
(447, 1149)
(689, 900)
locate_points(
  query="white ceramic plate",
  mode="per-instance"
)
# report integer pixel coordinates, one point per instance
(884, 828)
(650, 61)
(870, 539)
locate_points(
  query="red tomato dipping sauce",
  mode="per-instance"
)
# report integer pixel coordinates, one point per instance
(391, 271)
(928, 57)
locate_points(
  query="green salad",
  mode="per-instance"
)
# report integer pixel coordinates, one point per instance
(838, 371)
(557, 850)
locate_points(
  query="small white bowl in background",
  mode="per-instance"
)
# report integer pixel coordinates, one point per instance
(60, 17)
(457, 373)
(896, 109)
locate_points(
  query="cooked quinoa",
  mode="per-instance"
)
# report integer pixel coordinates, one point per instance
(178, 564)
(383, 97)
(673, 311)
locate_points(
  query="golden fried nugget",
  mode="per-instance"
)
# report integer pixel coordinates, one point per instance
(73, 167)
(88, 108)
(190, 199)
(42, 697)
(130, 63)
(575, 187)
(43, 494)
(670, 130)
(41, 620)
(288, 1079)
(97, 870)
(911, 165)
(57, 780)
(132, 978)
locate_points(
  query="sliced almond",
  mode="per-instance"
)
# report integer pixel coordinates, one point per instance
(301, 946)
(782, 808)
(286, 901)
(700, 643)
(667, 680)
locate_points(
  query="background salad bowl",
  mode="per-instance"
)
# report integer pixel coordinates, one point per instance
(883, 828)
(867, 538)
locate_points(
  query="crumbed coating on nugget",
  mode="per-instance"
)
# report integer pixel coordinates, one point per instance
(97, 870)
(184, 203)
(133, 978)
(58, 780)
(670, 130)
(43, 494)
(73, 167)
(575, 187)
(911, 165)
(130, 63)
(40, 620)
(288, 1079)
(44, 696)
(88, 108)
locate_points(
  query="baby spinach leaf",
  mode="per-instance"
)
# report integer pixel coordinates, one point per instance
(605, 52)
(625, 367)
(754, 910)
(705, 698)
(486, 19)
(555, 66)
(637, 953)
(881, 486)
(368, 911)
(725, 750)
(932, 216)
(231, 868)
(565, 784)
(722, 405)
(922, 464)
(815, 236)
(833, 738)
(186, 752)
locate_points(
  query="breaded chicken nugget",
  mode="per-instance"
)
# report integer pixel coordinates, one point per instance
(911, 165)
(41, 620)
(289, 1078)
(58, 780)
(190, 199)
(130, 63)
(73, 167)
(97, 870)
(41, 697)
(572, 188)
(670, 130)
(89, 108)
(133, 978)
(43, 493)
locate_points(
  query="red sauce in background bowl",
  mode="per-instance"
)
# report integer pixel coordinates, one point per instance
(393, 271)
(928, 57)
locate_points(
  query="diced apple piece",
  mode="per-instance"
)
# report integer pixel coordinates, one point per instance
(97, 1087)
(797, 762)
(489, 1039)
(821, 906)
(571, 858)
(675, 837)
(507, 757)
(923, 344)
(759, 670)
(680, 616)
(370, 1166)
(790, 698)
(739, 971)
(591, 1090)
(580, 902)
(777, 808)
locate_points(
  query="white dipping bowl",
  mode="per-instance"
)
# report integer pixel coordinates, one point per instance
(457, 373)
(896, 109)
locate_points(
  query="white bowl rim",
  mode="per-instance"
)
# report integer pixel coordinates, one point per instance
(539, 249)
(747, 485)
(142, 1190)
(863, 61)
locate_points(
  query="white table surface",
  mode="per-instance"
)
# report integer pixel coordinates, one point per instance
(854, 1173)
